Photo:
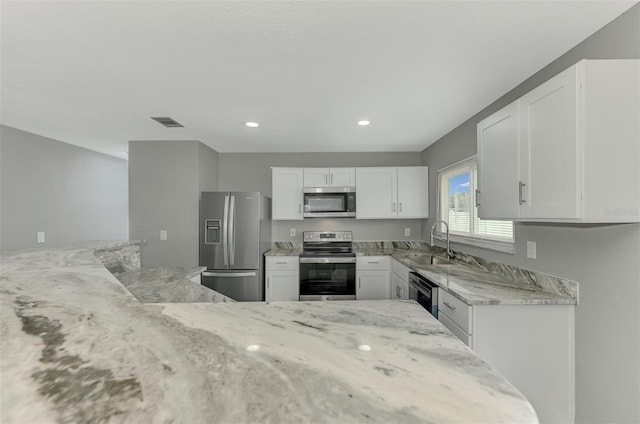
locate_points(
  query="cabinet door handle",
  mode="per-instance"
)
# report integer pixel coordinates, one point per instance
(398, 292)
(453, 308)
(299, 207)
(520, 197)
(359, 282)
(281, 263)
(268, 278)
(477, 198)
(393, 206)
(326, 179)
(331, 179)
(373, 262)
(400, 206)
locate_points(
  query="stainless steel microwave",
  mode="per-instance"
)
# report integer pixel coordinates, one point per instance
(329, 202)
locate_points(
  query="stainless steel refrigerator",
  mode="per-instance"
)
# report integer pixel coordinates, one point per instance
(235, 232)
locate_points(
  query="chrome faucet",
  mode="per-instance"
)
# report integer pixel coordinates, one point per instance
(449, 252)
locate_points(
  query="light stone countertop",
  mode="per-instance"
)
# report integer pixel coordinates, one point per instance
(469, 280)
(479, 287)
(168, 285)
(78, 347)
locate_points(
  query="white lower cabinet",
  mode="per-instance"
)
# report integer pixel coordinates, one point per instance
(531, 345)
(372, 277)
(282, 278)
(399, 280)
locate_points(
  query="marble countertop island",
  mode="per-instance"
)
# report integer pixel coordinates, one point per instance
(79, 347)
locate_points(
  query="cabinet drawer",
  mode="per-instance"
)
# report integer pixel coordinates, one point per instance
(371, 263)
(282, 263)
(455, 309)
(400, 270)
(456, 330)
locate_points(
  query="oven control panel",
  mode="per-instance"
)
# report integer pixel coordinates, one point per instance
(327, 236)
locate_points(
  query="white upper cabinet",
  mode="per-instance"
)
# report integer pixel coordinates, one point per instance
(413, 187)
(390, 192)
(287, 185)
(551, 149)
(329, 177)
(497, 195)
(342, 177)
(567, 151)
(376, 193)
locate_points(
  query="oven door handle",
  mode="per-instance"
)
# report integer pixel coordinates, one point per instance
(327, 260)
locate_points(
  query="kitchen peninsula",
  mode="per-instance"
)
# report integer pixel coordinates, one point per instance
(77, 347)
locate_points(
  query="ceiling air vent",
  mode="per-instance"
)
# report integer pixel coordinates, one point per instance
(167, 122)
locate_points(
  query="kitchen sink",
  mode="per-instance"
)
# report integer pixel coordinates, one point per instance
(437, 260)
(429, 260)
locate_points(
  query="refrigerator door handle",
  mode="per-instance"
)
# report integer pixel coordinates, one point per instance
(232, 231)
(229, 274)
(225, 236)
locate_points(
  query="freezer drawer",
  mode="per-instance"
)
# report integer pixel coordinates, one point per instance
(243, 286)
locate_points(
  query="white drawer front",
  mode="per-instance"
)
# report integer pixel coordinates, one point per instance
(282, 263)
(457, 331)
(400, 270)
(455, 309)
(372, 263)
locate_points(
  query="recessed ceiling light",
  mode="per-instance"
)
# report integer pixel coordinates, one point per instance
(363, 123)
(252, 124)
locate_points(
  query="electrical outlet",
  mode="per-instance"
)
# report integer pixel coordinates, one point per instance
(163, 234)
(531, 249)
(407, 232)
(40, 237)
(292, 232)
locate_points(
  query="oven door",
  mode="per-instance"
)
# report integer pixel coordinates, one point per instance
(328, 278)
(424, 292)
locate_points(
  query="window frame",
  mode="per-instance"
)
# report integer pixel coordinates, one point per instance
(472, 239)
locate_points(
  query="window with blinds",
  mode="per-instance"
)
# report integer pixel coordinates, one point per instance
(457, 186)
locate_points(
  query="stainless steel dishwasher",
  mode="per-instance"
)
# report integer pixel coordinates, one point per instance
(425, 292)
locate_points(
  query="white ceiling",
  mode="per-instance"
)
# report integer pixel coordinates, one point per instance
(91, 73)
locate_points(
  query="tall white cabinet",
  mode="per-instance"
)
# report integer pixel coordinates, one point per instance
(392, 192)
(567, 151)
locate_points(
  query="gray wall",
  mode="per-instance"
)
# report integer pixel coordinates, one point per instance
(603, 259)
(208, 168)
(252, 172)
(70, 193)
(165, 178)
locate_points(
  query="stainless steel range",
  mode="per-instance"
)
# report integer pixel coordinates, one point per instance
(327, 266)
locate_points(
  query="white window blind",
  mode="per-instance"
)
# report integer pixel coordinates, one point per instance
(457, 186)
